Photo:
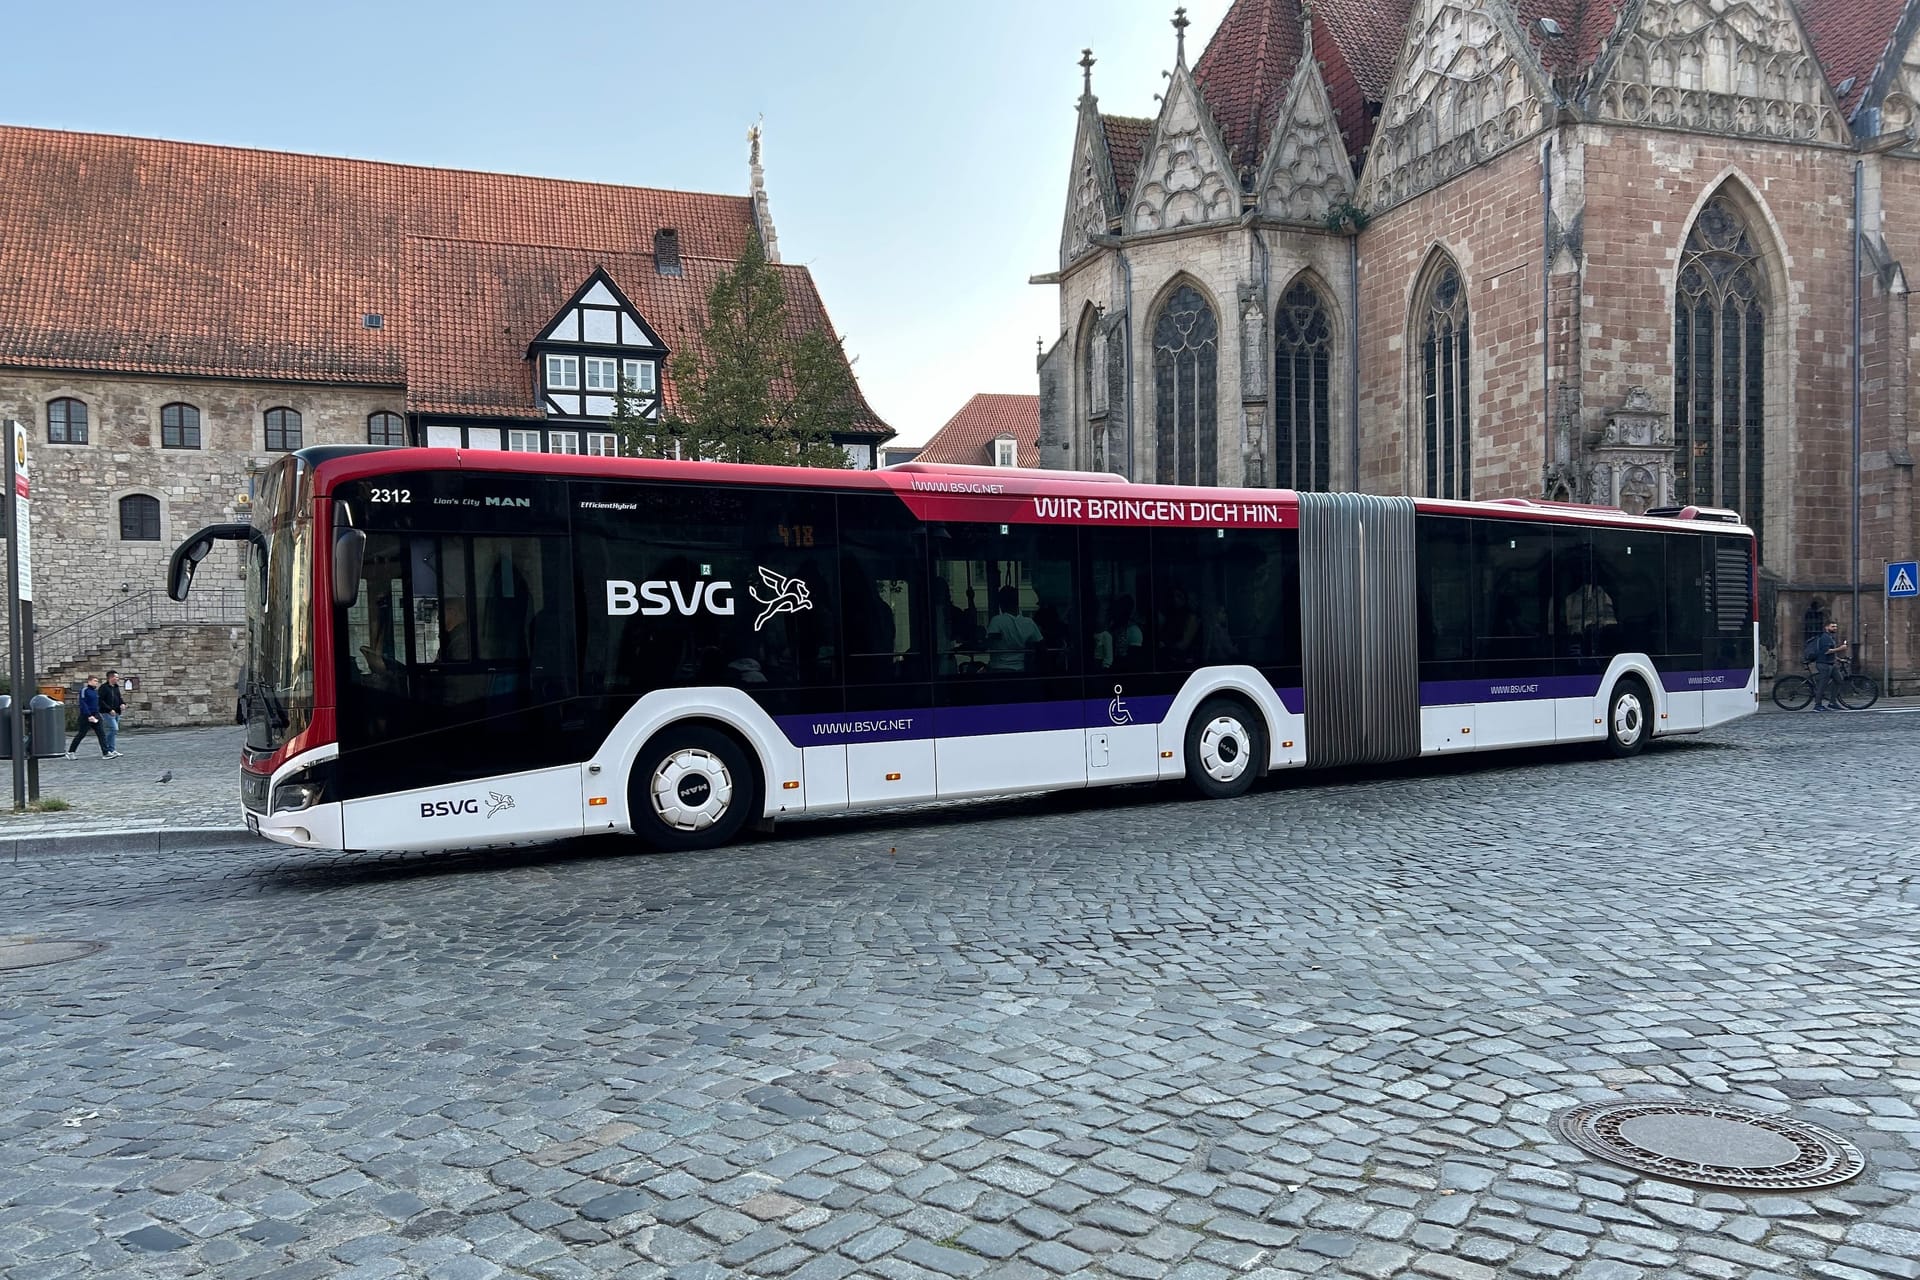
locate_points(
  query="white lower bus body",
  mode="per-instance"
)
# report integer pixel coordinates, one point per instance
(592, 796)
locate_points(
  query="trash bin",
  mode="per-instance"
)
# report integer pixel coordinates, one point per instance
(46, 728)
(6, 726)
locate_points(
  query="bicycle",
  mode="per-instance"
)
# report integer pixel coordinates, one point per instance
(1856, 692)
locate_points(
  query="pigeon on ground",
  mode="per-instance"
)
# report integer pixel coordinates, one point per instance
(167, 776)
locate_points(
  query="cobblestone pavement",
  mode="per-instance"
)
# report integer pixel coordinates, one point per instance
(127, 795)
(1318, 1031)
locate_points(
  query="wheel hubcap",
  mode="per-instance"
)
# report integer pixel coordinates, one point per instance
(691, 790)
(1628, 719)
(1223, 749)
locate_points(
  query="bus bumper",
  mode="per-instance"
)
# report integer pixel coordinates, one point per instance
(317, 827)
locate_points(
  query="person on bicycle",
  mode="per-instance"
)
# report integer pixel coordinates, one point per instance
(1827, 648)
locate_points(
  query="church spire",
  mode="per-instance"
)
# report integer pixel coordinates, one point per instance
(1180, 25)
(757, 191)
(1086, 74)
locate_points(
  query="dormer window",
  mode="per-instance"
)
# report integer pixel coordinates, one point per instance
(563, 373)
(602, 373)
(596, 351)
(639, 375)
(1006, 452)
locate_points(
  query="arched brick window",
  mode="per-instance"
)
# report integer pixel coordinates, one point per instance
(1302, 369)
(1441, 343)
(1719, 366)
(386, 428)
(179, 427)
(66, 421)
(283, 430)
(1186, 351)
(139, 518)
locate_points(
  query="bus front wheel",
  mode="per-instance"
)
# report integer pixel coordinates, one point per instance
(1226, 745)
(1629, 718)
(692, 788)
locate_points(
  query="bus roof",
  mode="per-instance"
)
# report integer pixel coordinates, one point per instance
(953, 491)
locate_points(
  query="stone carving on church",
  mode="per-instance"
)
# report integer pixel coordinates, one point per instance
(1306, 173)
(1253, 343)
(1184, 178)
(1900, 109)
(1088, 215)
(1097, 372)
(1460, 96)
(1742, 67)
(1630, 456)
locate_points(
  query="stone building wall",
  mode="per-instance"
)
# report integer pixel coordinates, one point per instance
(186, 675)
(80, 562)
(1489, 221)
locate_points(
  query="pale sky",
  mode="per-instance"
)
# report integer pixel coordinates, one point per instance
(916, 154)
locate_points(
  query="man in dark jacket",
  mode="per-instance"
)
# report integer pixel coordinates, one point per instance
(89, 719)
(1825, 648)
(111, 703)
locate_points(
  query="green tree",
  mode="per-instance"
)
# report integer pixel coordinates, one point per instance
(757, 388)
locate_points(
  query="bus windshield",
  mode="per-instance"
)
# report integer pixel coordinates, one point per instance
(277, 680)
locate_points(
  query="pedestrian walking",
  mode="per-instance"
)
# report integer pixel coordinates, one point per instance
(1823, 651)
(89, 719)
(111, 704)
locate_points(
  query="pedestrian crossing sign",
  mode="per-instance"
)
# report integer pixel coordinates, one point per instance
(1903, 579)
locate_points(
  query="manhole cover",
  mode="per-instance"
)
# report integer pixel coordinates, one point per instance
(28, 955)
(1710, 1144)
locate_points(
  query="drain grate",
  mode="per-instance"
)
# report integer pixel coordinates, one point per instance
(1712, 1145)
(30, 953)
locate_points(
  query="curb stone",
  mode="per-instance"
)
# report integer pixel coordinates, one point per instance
(176, 840)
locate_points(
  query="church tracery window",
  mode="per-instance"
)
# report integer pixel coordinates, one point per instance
(1442, 336)
(1719, 366)
(1302, 369)
(1186, 349)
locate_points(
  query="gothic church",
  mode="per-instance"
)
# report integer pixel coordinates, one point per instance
(1590, 250)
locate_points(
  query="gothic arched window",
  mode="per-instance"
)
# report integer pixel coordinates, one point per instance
(1441, 334)
(1302, 444)
(1186, 351)
(1719, 366)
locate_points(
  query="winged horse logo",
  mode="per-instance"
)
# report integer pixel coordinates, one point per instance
(789, 596)
(496, 801)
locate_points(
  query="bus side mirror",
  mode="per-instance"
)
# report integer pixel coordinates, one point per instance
(187, 558)
(349, 556)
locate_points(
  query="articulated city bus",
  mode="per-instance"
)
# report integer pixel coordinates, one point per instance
(457, 648)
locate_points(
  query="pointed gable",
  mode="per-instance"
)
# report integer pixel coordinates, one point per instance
(1185, 177)
(1092, 202)
(1466, 88)
(969, 435)
(598, 314)
(1306, 172)
(1743, 67)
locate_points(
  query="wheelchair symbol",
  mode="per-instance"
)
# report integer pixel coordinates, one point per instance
(1117, 709)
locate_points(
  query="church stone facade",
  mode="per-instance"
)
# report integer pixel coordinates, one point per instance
(1598, 251)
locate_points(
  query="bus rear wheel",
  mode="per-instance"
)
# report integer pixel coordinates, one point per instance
(1629, 719)
(692, 788)
(1226, 745)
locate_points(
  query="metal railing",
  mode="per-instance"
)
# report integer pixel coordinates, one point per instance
(218, 605)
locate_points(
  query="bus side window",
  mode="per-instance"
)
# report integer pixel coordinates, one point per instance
(1448, 592)
(1687, 618)
(1630, 568)
(1119, 598)
(883, 590)
(1516, 591)
(1009, 606)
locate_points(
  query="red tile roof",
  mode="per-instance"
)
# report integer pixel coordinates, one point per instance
(1245, 70)
(137, 255)
(1249, 64)
(1585, 28)
(476, 305)
(1126, 140)
(969, 435)
(1851, 38)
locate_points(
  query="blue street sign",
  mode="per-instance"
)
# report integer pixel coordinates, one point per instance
(1903, 579)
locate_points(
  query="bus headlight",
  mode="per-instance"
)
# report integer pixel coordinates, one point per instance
(304, 789)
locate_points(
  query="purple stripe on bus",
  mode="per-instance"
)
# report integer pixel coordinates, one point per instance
(1701, 681)
(1446, 693)
(1294, 700)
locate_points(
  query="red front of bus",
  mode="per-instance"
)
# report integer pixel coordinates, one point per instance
(285, 690)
